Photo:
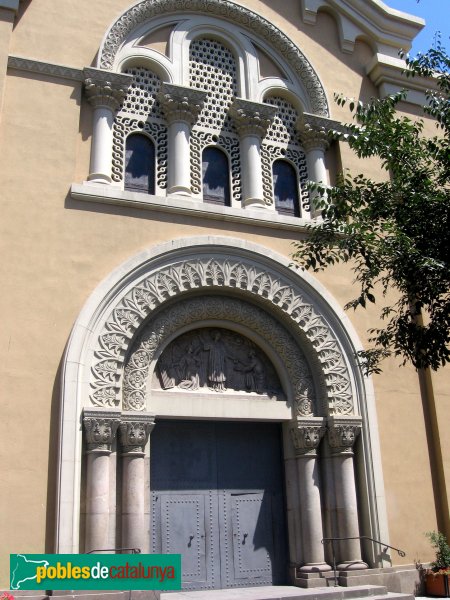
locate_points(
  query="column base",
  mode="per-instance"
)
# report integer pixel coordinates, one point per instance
(99, 178)
(180, 190)
(254, 203)
(352, 565)
(321, 567)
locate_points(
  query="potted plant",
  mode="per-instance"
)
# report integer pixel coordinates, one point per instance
(438, 577)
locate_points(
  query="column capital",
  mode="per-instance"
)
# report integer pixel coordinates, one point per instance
(252, 118)
(342, 433)
(100, 427)
(313, 138)
(306, 435)
(135, 429)
(181, 103)
(105, 88)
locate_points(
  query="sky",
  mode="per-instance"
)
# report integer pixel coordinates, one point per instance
(437, 16)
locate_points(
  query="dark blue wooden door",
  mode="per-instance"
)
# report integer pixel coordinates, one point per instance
(217, 499)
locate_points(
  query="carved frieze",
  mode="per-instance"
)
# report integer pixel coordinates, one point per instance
(342, 433)
(225, 273)
(241, 16)
(306, 435)
(134, 431)
(100, 428)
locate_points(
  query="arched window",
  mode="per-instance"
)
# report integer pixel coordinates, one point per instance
(285, 188)
(140, 164)
(215, 177)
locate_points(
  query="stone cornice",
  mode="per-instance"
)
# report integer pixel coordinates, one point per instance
(100, 426)
(252, 118)
(134, 431)
(10, 5)
(306, 435)
(104, 88)
(181, 103)
(342, 433)
(36, 66)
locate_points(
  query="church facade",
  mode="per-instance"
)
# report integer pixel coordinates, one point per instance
(178, 385)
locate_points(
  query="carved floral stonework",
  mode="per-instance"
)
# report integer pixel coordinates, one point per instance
(147, 9)
(342, 433)
(104, 88)
(217, 272)
(134, 431)
(306, 436)
(251, 118)
(181, 103)
(193, 311)
(313, 137)
(100, 429)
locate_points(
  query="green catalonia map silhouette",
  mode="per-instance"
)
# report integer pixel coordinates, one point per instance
(23, 569)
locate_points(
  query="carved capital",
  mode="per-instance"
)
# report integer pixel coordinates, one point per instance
(104, 88)
(100, 428)
(342, 433)
(252, 118)
(313, 138)
(134, 432)
(306, 435)
(181, 103)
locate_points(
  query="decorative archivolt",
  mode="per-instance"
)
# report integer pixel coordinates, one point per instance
(217, 272)
(147, 9)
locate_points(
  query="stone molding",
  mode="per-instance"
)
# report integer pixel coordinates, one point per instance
(134, 431)
(104, 88)
(239, 15)
(342, 433)
(313, 138)
(251, 118)
(181, 103)
(213, 270)
(100, 428)
(306, 435)
(45, 68)
(198, 310)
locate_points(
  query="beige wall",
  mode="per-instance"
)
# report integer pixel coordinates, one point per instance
(56, 250)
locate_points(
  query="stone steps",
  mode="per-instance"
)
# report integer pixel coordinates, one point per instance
(372, 592)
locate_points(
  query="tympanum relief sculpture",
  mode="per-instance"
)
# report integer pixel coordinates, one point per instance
(217, 360)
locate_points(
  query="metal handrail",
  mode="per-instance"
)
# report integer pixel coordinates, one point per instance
(132, 550)
(359, 537)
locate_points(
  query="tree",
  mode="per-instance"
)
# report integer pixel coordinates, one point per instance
(394, 234)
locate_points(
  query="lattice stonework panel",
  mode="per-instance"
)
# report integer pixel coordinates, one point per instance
(212, 68)
(141, 113)
(282, 141)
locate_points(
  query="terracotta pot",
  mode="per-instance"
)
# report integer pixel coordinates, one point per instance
(438, 584)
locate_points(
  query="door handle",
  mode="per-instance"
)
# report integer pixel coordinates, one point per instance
(191, 537)
(245, 535)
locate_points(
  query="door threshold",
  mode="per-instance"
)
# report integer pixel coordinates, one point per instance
(270, 592)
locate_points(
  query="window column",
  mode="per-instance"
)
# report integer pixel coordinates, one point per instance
(181, 107)
(314, 138)
(306, 436)
(105, 91)
(342, 433)
(252, 120)
(100, 428)
(135, 429)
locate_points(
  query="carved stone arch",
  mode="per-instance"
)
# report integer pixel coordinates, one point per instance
(204, 269)
(228, 312)
(225, 9)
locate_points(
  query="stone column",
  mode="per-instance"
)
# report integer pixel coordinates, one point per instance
(342, 433)
(105, 91)
(181, 107)
(135, 429)
(252, 120)
(306, 436)
(315, 142)
(100, 428)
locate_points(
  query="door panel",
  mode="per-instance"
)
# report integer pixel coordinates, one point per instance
(217, 500)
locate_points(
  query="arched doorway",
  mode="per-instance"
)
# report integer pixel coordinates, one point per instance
(220, 285)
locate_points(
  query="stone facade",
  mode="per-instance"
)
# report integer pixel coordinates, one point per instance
(136, 307)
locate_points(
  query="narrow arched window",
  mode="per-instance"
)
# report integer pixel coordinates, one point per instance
(285, 188)
(140, 164)
(215, 177)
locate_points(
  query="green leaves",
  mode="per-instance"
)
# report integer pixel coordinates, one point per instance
(395, 234)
